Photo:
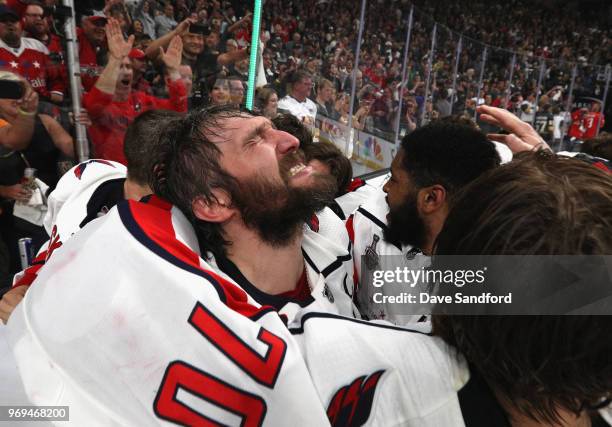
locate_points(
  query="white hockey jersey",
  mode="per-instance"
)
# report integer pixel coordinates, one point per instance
(327, 251)
(131, 327)
(350, 201)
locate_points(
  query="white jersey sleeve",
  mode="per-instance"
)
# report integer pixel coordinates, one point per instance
(74, 190)
(370, 189)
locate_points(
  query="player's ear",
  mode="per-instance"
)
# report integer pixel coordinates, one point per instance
(219, 209)
(431, 199)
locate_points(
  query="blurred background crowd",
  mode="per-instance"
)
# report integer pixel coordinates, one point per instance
(546, 61)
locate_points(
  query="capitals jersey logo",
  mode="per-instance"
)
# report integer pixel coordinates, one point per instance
(78, 171)
(352, 404)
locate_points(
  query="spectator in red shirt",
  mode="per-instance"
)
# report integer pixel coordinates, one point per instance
(576, 129)
(113, 105)
(36, 24)
(377, 75)
(28, 57)
(92, 46)
(591, 119)
(139, 67)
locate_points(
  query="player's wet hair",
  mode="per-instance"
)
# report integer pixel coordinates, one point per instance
(339, 165)
(539, 204)
(449, 153)
(142, 141)
(189, 167)
(289, 123)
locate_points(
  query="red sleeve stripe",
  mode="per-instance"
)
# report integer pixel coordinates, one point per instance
(152, 226)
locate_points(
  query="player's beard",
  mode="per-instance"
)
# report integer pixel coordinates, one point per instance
(404, 225)
(277, 210)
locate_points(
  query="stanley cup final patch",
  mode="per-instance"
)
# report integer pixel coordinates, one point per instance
(372, 258)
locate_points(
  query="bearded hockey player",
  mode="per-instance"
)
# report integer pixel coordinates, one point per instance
(247, 190)
(398, 226)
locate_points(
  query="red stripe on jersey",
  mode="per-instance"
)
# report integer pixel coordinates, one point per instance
(31, 273)
(355, 184)
(155, 220)
(350, 228)
(351, 233)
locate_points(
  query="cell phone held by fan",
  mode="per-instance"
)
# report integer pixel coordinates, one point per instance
(11, 89)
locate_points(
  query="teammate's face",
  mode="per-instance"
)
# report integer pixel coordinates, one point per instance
(277, 191)
(405, 225)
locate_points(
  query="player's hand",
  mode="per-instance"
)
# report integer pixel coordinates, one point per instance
(15, 192)
(118, 46)
(10, 300)
(173, 54)
(521, 137)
